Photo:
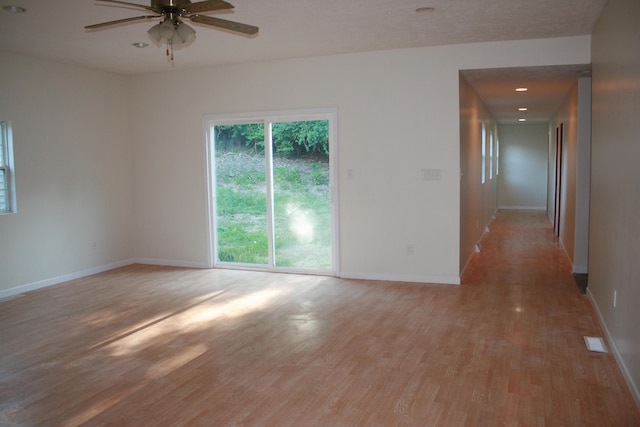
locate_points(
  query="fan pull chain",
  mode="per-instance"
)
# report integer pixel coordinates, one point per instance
(170, 50)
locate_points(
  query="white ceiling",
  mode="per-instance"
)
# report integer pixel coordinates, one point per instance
(54, 29)
(547, 87)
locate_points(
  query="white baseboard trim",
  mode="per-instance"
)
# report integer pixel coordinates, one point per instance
(440, 280)
(523, 208)
(171, 263)
(467, 264)
(633, 387)
(61, 279)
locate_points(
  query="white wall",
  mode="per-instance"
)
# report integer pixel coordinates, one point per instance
(568, 117)
(583, 177)
(73, 172)
(398, 113)
(478, 201)
(522, 183)
(575, 115)
(120, 160)
(614, 242)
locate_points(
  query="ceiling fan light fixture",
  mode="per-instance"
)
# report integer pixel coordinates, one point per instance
(184, 32)
(154, 33)
(176, 38)
(166, 29)
(172, 28)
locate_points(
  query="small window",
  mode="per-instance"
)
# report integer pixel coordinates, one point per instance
(491, 154)
(497, 156)
(7, 187)
(484, 153)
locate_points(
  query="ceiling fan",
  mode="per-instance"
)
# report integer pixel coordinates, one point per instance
(172, 12)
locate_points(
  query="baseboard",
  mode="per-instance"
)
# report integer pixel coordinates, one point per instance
(523, 208)
(64, 278)
(616, 353)
(171, 263)
(441, 280)
(478, 244)
(467, 264)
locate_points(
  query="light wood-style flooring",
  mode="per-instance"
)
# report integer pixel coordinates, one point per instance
(160, 346)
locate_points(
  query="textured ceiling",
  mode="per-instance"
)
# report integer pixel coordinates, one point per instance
(53, 29)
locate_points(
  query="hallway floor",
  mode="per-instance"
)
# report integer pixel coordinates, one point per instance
(162, 346)
(523, 278)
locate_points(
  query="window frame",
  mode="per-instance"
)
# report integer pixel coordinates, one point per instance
(6, 165)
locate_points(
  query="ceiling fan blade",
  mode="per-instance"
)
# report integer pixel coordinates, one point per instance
(207, 6)
(120, 21)
(142, 6)
(224, 24)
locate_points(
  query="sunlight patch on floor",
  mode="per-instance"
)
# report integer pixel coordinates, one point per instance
(194, 319)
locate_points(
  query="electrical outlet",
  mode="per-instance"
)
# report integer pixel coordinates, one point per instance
(351, 174)
(94, 245)
(409, 249)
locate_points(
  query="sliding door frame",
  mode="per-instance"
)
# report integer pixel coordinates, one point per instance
(267, 118)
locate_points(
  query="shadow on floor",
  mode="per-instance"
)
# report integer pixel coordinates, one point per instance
(581, 281)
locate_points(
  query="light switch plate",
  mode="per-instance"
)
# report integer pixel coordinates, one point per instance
(431, 174)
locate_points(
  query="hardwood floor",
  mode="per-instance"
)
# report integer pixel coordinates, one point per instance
(159, 346)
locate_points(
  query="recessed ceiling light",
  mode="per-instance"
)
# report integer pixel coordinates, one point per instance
(140, 44)
(522, 120)
(522, 109)
(521, 89)
(14, 9)
(426, 9)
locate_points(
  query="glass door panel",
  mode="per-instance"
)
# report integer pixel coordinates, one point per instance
(240, 194)
(301, 194)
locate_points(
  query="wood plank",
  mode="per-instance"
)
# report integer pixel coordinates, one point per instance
(150, 345)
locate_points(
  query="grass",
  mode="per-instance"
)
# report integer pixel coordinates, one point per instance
(302, 212)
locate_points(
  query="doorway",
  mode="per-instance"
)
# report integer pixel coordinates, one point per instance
(272, 195)
(557, 204)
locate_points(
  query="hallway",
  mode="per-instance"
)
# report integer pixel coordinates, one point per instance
(535, 317)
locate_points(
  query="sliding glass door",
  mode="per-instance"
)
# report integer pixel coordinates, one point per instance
(271, 181)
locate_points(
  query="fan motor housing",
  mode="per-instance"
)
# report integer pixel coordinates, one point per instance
(166, 5)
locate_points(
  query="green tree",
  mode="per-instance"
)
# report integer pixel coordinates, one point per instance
(290, 139)
(294, 139)
(240, 137)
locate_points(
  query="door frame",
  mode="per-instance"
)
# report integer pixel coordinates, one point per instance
(210, 120)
